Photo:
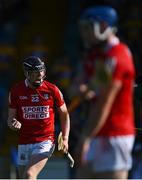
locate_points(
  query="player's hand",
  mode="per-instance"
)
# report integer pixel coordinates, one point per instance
(86, 92)
(84, 150)
(14, 124)
(83, 88)
(65, 145)
(90, 95)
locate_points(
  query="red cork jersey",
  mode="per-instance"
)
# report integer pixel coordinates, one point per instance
(35, 110)
(116, 63)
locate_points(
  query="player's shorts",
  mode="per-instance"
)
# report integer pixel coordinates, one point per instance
(111, 153)
(45, 148)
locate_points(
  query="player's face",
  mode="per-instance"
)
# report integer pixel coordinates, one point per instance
(36, 77)
(87, 33)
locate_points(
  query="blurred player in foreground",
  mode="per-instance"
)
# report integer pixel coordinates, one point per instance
(108, 136)
(32, 104)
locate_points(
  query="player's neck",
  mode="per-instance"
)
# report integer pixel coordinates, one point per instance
(30, 85)
(113, 40)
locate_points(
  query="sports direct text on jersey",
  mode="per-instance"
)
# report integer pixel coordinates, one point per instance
(35, 112)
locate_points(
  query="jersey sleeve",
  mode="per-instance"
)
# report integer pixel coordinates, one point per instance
(123, 64)
(59, 99)
(13, 98)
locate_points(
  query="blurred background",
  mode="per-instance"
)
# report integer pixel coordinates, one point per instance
(49, 29)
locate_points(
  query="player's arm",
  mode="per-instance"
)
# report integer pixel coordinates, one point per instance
(98, 116)
(12, 121)
(65, 124)
(101, 111)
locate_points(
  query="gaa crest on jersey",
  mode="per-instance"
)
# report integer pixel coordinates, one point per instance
(34, 98)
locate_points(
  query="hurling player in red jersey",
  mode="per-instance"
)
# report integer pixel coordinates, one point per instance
(32, 104)
(109, 133)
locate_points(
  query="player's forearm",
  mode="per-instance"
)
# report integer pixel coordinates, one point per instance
(65, 125)
(96, 120)
(102, 117)
(101, 111)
